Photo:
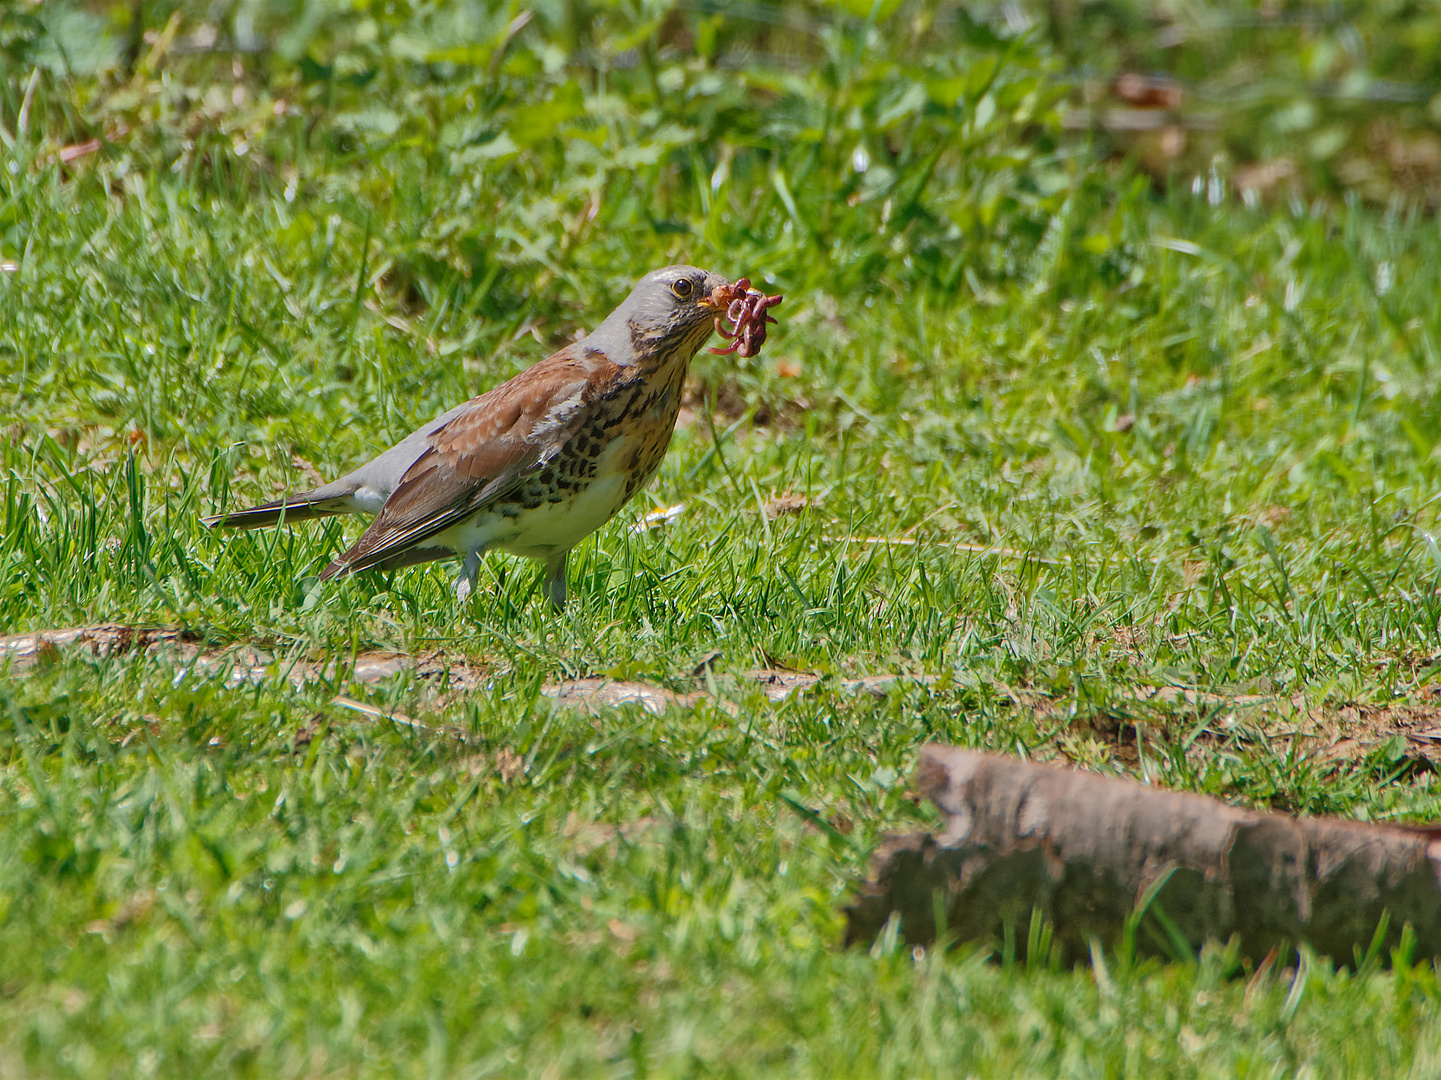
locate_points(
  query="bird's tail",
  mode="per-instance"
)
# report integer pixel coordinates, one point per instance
(288, 508)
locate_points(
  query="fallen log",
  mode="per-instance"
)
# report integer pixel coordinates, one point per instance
(1094, 855)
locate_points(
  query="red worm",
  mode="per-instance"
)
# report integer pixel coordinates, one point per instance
(745, 308)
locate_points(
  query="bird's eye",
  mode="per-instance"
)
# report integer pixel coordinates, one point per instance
(683, 288)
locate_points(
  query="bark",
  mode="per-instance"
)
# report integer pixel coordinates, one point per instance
(1087, 852)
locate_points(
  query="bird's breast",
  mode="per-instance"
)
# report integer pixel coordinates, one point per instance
(595, 473)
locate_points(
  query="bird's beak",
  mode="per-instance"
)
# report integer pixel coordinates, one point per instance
(719, 298)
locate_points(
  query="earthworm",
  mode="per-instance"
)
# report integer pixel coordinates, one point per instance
(745, 309)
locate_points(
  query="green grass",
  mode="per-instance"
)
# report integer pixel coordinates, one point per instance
(1204, 435)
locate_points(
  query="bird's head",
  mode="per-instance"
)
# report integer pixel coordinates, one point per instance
(671, 309)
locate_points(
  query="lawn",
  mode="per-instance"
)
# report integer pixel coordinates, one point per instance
(1064, 446)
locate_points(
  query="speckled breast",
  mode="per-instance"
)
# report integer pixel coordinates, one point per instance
(618, 450)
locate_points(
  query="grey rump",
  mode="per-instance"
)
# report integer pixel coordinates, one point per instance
(535, 464)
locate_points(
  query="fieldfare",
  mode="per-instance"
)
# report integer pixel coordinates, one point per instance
(537, 464)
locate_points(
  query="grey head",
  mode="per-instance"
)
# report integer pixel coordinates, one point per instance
(669, 309)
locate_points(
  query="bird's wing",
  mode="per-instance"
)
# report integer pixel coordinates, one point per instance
(482, 453)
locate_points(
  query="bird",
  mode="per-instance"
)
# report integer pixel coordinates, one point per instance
(538, 463)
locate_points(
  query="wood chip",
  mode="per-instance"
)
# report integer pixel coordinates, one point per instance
(592, 695)
(789, 503)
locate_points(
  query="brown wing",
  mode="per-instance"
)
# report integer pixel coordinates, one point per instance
(507, 435)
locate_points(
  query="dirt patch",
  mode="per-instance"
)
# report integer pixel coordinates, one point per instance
(106, 639)
(1339, 731)
(237, 663)
(253, 664)
(1356, 730)
(779, 685)
(599, 836)
(1342, 732)
(595, 695)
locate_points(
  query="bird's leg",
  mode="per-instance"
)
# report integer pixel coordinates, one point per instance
(465, 581)
(555, 580)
